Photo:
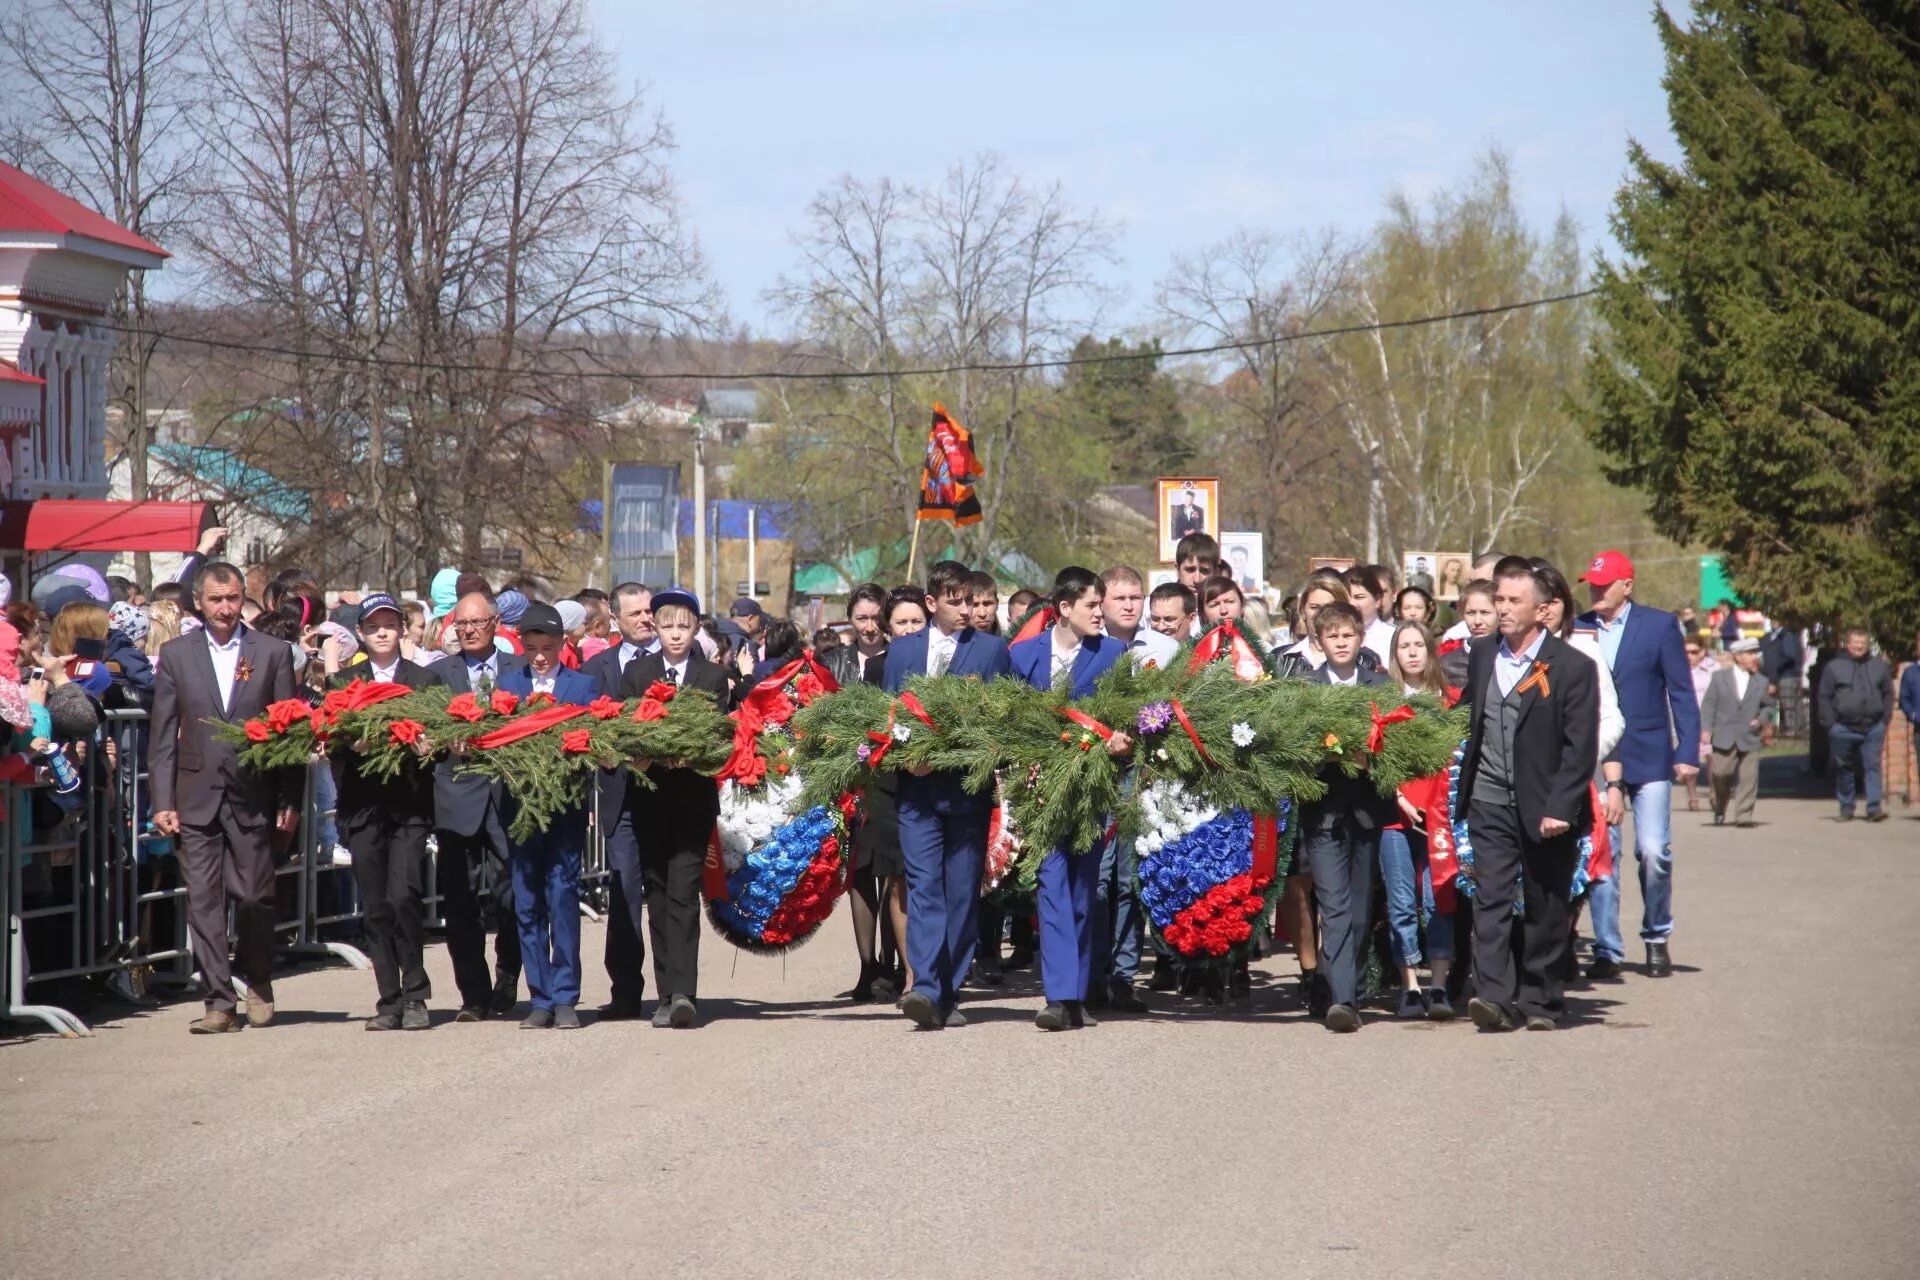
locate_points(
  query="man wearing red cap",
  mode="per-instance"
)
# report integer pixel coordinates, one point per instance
(1643, 648)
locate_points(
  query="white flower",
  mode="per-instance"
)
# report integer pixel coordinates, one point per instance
(1152, 844)
(1242, 734)
(901, 733)
(1160, 753)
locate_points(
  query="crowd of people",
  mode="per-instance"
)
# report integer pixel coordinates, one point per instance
(1579, 715)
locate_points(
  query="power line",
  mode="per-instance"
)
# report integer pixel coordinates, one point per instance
(832, 375)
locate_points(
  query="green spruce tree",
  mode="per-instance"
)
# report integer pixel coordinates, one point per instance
(1758, 373)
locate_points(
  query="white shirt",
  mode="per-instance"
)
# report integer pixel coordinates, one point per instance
(678, 670)
(226, 661)
(1310, 653)
(628, 652)
(1610, 633)
(485, 669)
(386, 675)
(544, 684)
(1509, 668)
(1150, 647)
(940, 650)
(1739, 683)
(1379, 638)
(1062, 661)
(1353, 679)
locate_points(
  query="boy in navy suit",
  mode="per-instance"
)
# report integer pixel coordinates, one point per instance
(943, 827)
(1075, 653)
(546, 867)
(1340, 832)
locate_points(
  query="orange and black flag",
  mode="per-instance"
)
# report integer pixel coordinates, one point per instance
(948, 476)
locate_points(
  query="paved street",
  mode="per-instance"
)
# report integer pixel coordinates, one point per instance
(1758, 1114)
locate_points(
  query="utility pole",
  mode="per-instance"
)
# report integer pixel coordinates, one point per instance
(700, 506)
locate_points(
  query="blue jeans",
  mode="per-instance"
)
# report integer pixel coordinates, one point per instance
(1409, 883)
(1843, 743)
(1652, 823)
(1116, 916)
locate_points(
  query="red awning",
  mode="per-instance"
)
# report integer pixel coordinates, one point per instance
(76, 524)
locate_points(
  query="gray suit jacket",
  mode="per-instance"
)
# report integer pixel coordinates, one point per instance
(1730, 721)
(191, 769)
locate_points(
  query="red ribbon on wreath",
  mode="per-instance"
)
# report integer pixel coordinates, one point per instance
(1266, 849)
(357, 696)
(770, 703)
(1086, 721)
(883, 741)
(1225, 640)
(1377, 736)
(1429, 796)
(528, 725)
(1180, 714)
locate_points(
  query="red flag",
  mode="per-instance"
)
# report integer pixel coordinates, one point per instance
(947, 477)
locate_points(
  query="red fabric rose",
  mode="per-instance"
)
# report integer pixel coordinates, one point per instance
(605, 708)
(504, 703)
(577, 741)
(807, 687)
(406, 732)
(540, 700)
(752, 771)
(464, 707)
(661, 691)
(257, 731)
(651, 708)
(286, 713)
(339, 700)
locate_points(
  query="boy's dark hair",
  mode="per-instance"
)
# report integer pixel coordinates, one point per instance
(1014, 606)
(1173, 591)
(872, 593)
(980, 582)
(220, 571)
(119, 587)
(782, 638)
(1363, 576)
(173, 591)
(1073, 582)
(947, 577)
(1197, 546)
(824, 639)
(1334, 615)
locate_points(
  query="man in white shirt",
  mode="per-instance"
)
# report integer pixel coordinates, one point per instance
(631, 606)
(1736, 718)
(1122, 609)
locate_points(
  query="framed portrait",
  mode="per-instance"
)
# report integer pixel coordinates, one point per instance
(1420, 569)
(1452, 570)
(1243, 555)
(1339, 564)
(1186, 505)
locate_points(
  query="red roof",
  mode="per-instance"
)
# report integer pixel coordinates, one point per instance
(10, 373)
(78, 524)
(28, 204)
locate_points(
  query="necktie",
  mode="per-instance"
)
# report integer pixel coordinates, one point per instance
(941, 657)
(673, 676)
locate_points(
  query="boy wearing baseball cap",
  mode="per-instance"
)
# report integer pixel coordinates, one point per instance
(384, 824)
(546, 867)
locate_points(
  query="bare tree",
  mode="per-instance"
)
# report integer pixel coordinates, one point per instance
(109, 118)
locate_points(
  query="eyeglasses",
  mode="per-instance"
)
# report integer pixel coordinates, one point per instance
(473, 624)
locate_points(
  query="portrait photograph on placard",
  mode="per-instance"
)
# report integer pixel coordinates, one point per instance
(1339, 564)
(1243, 555)
(1420, 569)
(1452, 570)
(1186, 505)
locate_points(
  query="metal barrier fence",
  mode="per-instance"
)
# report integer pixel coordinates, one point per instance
(98, 893)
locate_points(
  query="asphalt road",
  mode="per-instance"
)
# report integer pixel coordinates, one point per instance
(1757, 1114)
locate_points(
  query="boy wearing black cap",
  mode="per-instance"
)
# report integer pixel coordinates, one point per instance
(674, 819)
(546, 867)
(384, 824)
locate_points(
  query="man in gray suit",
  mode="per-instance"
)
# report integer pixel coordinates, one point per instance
(220, 812)
(1737, 719)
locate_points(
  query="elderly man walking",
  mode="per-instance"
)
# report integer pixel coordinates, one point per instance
(1737, 720)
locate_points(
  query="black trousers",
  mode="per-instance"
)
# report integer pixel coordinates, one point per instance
(389, 850)
(468, 866)
(230, 855)
(626, 954)
(1341, 858)
(672, 836)
(1520, 961)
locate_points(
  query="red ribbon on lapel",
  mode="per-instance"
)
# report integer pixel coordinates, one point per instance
(1266, 848)
(1180, 714)
(526, 726)
(1086, 721)
(1377, 736)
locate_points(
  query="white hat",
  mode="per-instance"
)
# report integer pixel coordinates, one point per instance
(1745, 644)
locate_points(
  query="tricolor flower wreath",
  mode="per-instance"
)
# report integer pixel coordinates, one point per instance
(1206, 878)
(773, 875)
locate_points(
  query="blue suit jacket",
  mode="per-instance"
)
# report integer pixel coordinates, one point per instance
(1032, 661)
(569, 686)
(1655, 685)
(605, 671)
(975, 654)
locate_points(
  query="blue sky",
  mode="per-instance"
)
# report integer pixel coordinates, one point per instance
(1181, 121)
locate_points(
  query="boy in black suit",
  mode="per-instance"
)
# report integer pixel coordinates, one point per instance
(384, 824)
(1340, 832)
(673, 820)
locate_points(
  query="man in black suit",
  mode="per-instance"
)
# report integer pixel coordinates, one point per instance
(626, 955)
(468, 826)
(674, 818)
(1189, 517)
(1524, 790)
(384, 824)
(221, 813)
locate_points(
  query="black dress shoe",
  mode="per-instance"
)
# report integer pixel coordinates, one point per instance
(1343, 1017)
(1719, 819)
(470, 1013)
(683, 1013)
(954, 1018)
(1541, 1022)
(1489, 1016)
(884, 989)
(1022, 958)
(1077, 1010)
(1439, 1008)
(565, 1018)
(1055, 1017)
(1096, 996)
(1166, 975)
(506, 994)
(387, 1021)
(414, 1016)
(1315, 993)
(1603, 968)
(1877, 817)
(618, 1011)
(537, 1020)
(1240, 983)
(1123, 999)
(921, 1008)
(979, 975)
(663, 1015)
(1658, 965)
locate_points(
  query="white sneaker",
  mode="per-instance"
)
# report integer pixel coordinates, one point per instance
(342, 856)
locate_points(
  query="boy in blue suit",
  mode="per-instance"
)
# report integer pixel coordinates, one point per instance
(1644, 650)
(1073, 653)
(546, 868)
(943, 827)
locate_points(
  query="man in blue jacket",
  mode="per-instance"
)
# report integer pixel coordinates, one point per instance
(943, 827)
(1643, 648)
(1072, 654)
(1910, 696)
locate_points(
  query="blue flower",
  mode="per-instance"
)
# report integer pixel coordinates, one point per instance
(1182, 872)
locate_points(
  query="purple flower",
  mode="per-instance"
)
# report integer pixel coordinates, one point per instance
(865, 751)
(1155, 717)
